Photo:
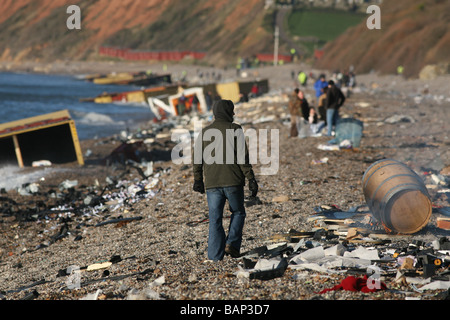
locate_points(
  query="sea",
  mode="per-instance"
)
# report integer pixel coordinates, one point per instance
(24, 95)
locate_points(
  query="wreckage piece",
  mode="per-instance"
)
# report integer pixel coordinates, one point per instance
(352, 283)
(350, 130)
(396, 196)
(52, 137)
(34, 284)
(117, 221)
(267, 269)
(291, 236)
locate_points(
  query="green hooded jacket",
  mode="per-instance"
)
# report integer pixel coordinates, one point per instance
(224, 158)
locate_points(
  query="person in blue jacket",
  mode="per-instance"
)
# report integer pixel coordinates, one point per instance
(319, 85)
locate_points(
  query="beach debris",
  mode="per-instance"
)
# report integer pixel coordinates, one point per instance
(31, 296)
(282, 198)
(349, 132)
(323, 160)
(41, 163)
(55, 138)
(328, 147)
(417, 263)
(149, 293)
(399, 118)
(263, 269)
(352, 283)
(98, 266)
(92, 296)
(396, 196)
(28, 189)
(443, 223)
(120, 220)
(67, 184)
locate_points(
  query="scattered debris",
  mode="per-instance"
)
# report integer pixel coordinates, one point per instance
(399, 118)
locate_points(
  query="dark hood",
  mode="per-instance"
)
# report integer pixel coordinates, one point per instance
(223, 110)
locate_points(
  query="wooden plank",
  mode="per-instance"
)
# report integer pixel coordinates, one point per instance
(18, 152)
(76, 143)
(28, 123)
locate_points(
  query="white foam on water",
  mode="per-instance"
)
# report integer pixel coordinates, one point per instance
(12, 177)
(97, 118)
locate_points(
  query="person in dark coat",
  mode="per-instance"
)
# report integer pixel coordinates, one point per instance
(223, 179)
(294, 112)
(304, 105)
(335, 99)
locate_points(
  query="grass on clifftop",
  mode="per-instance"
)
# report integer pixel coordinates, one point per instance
(325, 25)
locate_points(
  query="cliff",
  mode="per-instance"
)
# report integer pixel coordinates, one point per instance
(413, 34)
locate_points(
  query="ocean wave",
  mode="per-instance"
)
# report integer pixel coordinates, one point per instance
(13, 177)
(93, 118)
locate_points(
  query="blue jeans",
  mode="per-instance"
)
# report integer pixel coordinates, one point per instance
(216, 203)
(332, 118)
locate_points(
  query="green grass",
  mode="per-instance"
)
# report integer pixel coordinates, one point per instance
(325, 25)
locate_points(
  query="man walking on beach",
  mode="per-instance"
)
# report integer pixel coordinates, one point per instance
(335, 99)
(224, 164)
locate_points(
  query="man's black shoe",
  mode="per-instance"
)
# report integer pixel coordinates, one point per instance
(229, 249)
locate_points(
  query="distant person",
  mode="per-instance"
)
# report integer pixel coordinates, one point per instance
(208, 100)
(224, 182)
(340, 79)
(319, 85)
(254, 91)
(350, 82)
(243, 97)
(335, 99)
(181, 106)
(312, 118)
(302, 78)
(304, 105)
(322, 111)
(195, 103)
(303, 126)
(294, 111)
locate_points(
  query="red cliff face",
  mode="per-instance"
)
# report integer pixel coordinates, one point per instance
(37, 29)
(413, 33)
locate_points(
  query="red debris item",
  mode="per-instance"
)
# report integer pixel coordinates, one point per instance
(352, 283)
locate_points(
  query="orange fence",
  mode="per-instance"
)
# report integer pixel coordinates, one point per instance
(128, 54)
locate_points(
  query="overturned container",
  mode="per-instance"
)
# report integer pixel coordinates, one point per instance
(396, 196)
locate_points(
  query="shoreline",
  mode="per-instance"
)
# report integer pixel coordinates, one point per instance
(280, 74)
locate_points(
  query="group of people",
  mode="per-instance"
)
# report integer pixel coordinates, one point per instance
(304, 116)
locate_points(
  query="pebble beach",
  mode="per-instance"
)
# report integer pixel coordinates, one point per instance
(144, 237)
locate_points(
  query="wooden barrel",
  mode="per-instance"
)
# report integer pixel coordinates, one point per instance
(396, 196)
